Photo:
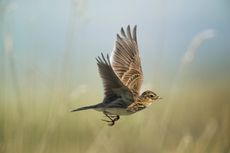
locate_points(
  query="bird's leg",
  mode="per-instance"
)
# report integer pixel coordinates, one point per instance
(106, 115)
(112, 119)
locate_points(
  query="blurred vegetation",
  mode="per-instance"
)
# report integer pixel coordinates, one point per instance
(35, 108)
(35, 118)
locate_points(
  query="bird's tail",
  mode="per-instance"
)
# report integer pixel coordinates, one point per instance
(84, 108)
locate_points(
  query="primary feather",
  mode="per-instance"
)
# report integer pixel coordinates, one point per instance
(126, 61)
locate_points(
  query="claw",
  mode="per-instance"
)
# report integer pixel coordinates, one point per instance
(117, 118)
(112, 123)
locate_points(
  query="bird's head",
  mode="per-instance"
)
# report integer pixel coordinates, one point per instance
(149, 96)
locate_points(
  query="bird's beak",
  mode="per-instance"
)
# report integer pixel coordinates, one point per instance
(160, 98)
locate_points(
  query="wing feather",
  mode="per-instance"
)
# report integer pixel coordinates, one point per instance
(113, 86)
(126, 60)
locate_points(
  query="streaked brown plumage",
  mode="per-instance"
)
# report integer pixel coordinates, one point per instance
(122, 78)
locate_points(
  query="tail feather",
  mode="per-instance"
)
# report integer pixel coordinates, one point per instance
(84, 108)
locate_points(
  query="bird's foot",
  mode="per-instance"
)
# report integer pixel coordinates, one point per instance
(112, 119)
(110, 122)
(117, 118)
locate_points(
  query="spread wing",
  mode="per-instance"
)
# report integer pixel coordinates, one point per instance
(126, 60)
(113, 86)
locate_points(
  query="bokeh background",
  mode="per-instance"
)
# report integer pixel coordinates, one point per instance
(48, 67)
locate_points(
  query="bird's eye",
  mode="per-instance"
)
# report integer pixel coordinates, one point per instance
(151, 96)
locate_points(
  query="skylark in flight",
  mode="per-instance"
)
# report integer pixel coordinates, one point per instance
(122, 77)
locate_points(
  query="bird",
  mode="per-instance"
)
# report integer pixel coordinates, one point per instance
(122, 77)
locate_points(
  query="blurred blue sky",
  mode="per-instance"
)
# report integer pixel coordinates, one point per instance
(46, 32)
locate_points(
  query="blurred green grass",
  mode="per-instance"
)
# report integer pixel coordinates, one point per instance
(192, 117)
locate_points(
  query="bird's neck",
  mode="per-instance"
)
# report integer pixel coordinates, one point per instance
(143, 101)
(140, 99)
